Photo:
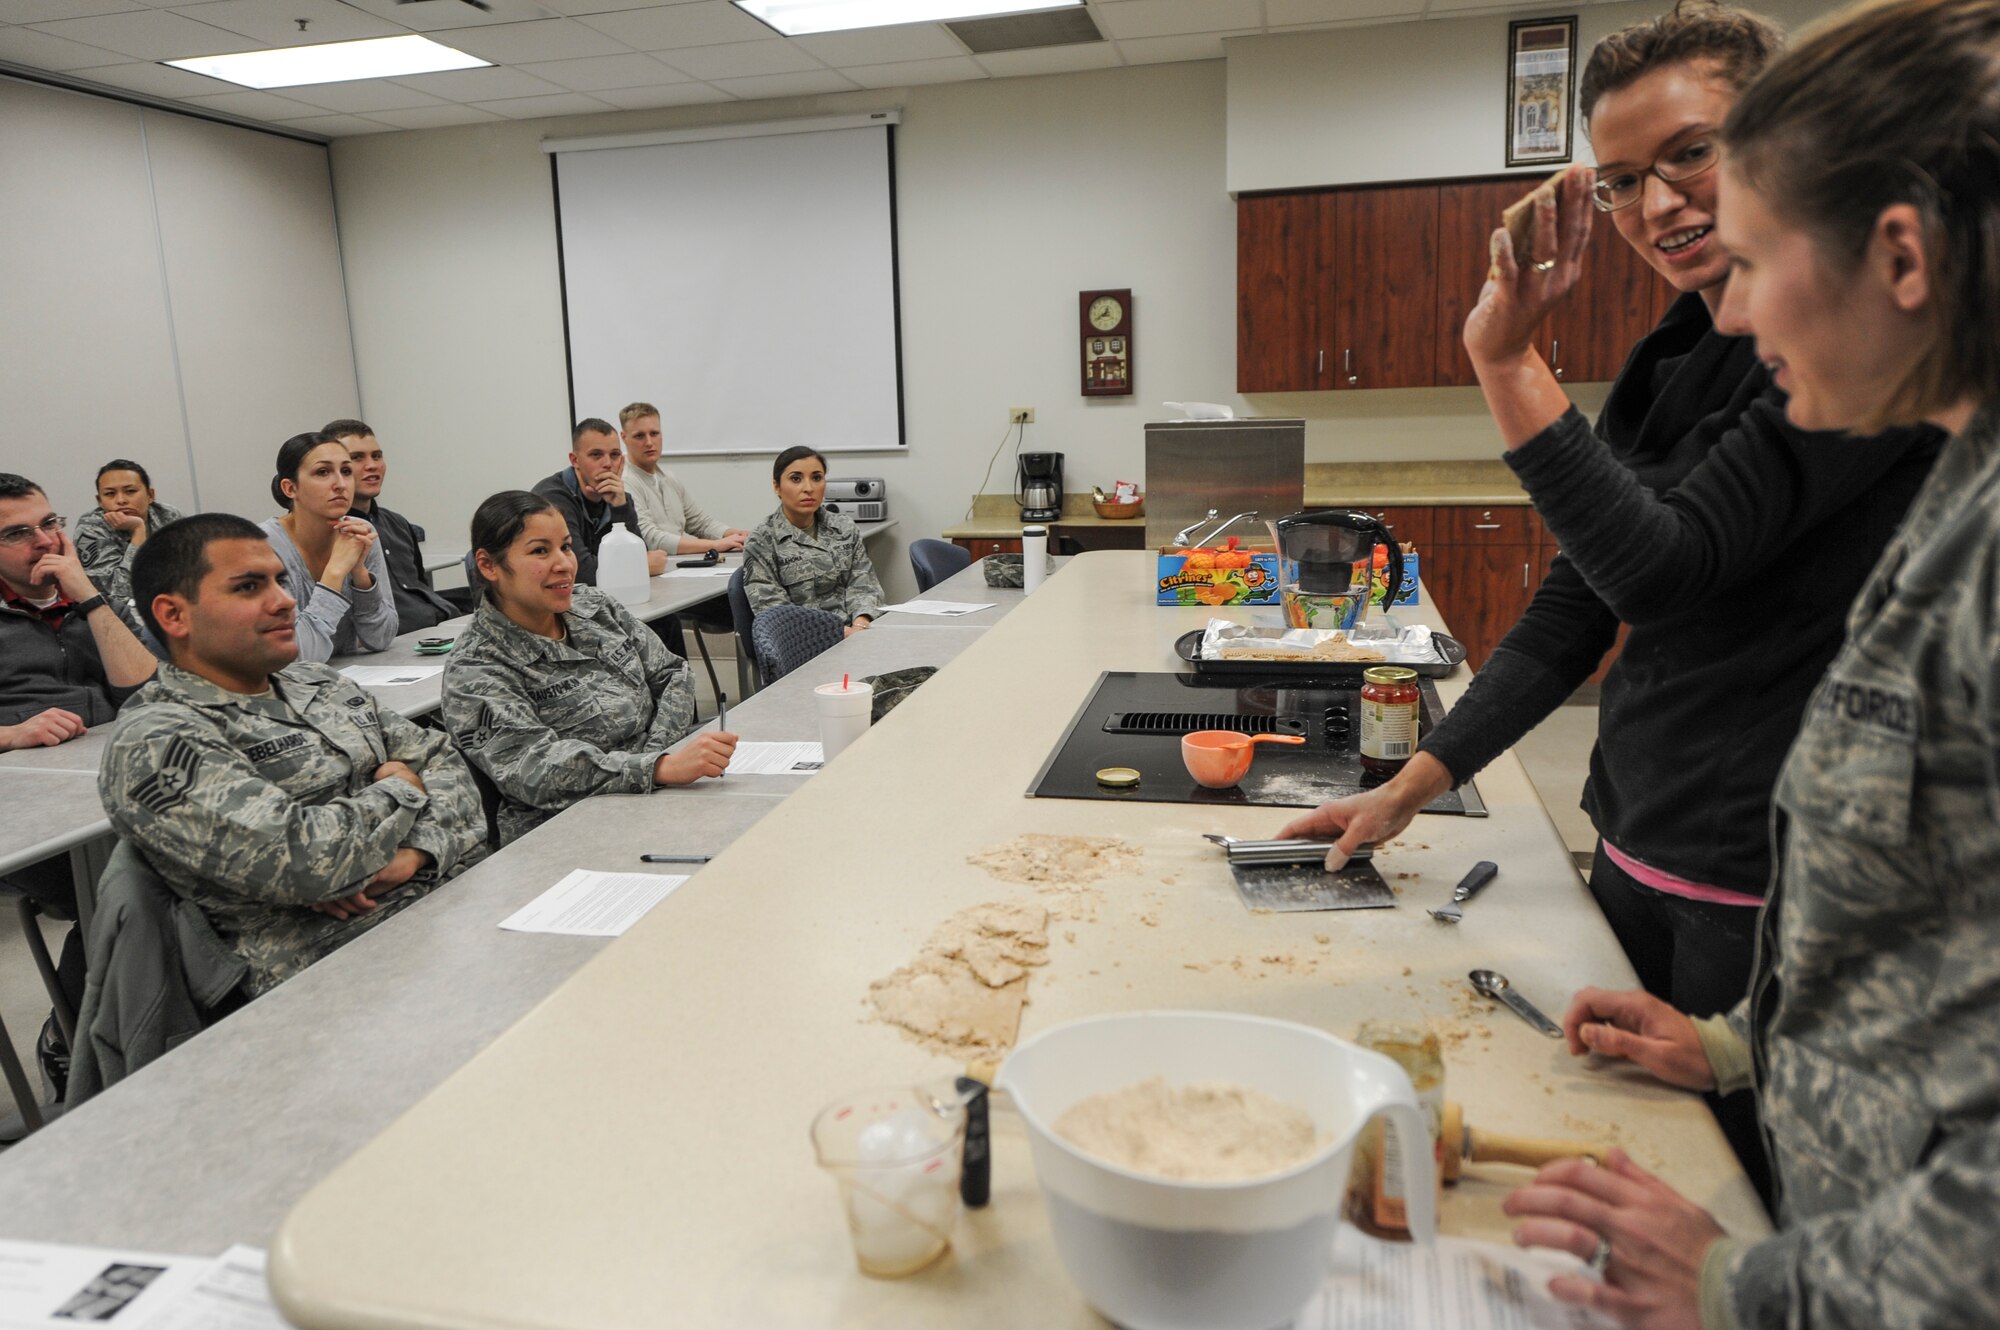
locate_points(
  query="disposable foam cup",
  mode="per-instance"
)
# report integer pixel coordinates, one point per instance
(843, 715)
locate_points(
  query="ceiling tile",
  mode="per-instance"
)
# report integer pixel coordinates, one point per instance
(436, 15)
(480, 85)
(550, 39)
(157, 80)
(38, 50)
(808, 84)
(45, 11)
(364, 96)
(908, 73)
(675, 94)
(532, 108)
(148, 34)
(335, 126)
(631, 70)
(1195, 46)
(880, 46)
(1167, 18)
(253, 105)
(742, 59)
(434, 117)
(276, 24)
(1050, 60)
(575, 7)
(667, 27)
(1278, 12)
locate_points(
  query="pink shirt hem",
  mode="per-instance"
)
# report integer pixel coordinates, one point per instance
(1659, 880)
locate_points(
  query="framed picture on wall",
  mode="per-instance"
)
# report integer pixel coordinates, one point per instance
(1541, 89)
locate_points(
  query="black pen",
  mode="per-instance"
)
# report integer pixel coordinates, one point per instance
(675, 858)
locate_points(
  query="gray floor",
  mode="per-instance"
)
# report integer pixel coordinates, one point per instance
(1557, 756)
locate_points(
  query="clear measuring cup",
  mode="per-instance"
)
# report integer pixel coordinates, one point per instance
(895, 1153)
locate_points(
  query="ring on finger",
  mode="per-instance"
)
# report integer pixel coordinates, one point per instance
(1601, 1257)
(1545, 265)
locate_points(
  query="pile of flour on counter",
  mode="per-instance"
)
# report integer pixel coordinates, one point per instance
(962, 995)
(1061, 868)
(1209, 1131)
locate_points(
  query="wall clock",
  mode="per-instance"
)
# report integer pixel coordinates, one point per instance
(1104, 321)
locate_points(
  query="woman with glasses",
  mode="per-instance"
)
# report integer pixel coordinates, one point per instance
(1861, 204)
(1729, 540)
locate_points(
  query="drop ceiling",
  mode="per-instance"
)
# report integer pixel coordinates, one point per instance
(583, 57)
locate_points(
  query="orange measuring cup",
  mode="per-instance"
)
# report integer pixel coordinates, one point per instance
(1219, 759)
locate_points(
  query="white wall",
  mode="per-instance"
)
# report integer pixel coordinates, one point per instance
(1013, 195)
(1398, 101)
(172, 294)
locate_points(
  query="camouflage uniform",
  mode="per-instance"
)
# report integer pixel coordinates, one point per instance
(553, 722)
(255, 808)
(827, 569)
(106, 553)
(1872, 1027)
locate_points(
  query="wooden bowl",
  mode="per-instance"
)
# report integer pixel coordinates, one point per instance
(1112, 510)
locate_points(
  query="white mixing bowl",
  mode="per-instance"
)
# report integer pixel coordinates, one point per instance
(1159, 1254)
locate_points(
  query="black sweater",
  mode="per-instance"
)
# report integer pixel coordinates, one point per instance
(1732, 543)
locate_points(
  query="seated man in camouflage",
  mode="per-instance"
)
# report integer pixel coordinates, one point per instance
(273, 793)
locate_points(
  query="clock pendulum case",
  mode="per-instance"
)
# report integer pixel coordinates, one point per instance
(1105, 332)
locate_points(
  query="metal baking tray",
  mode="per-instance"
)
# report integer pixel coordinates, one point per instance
(1451, 653)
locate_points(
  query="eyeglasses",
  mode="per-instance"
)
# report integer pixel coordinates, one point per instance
(1622, 189)
(15, 536)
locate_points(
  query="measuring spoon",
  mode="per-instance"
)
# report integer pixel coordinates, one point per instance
(1495, 986)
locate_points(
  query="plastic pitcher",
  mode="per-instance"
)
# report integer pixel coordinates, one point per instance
(1155, 1253)
(1326, 564)
(895, 1154)
(621, 567)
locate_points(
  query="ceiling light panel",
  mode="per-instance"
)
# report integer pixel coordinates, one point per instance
(800, 18)
(332, 62)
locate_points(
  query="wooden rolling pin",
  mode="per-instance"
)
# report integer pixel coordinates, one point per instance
(1463, 1143)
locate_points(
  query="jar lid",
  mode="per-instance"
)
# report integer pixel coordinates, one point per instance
(1118, 778)
(1390, 674)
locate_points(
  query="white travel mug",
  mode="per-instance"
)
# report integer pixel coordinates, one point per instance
(843, 714)
(1034, 557)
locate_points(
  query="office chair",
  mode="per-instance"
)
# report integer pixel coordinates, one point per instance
(935, 560)
(741, 617)
(787, 636)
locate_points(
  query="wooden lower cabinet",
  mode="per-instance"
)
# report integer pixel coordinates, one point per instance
(979, 549)
(1480, 590)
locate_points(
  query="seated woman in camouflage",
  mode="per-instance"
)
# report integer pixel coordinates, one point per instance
(111, 533)
(802, 556)
(1860, 205)
(554, 691)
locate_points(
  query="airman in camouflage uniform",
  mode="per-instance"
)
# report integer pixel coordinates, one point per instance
(826, 568)
(1872, 1028)
(106, 552)
(551, 722)
(257, 807)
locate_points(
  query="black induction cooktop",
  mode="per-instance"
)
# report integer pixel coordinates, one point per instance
(1137, 720)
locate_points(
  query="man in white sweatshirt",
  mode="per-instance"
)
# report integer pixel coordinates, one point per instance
(668, 519)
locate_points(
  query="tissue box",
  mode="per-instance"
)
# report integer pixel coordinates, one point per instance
(1251, 578)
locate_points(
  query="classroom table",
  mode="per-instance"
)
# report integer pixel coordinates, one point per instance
(679, 1184)
(967, 586)
(50, 795)
(270, 1099)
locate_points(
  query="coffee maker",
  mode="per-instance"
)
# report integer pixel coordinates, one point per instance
(1038, 486)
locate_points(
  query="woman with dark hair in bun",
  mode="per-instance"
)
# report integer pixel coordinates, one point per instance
(554, 691)
(336, 570)
(802, 555)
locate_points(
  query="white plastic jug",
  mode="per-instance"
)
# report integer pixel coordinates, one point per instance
(621, 567)
(1159, 1254)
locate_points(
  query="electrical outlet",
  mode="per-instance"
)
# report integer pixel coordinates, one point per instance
(1020, 415)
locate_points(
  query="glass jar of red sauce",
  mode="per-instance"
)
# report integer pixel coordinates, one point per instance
(1390, 702)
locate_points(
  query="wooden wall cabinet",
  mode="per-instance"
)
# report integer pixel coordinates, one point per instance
(1369, 288)
(1336, 290)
